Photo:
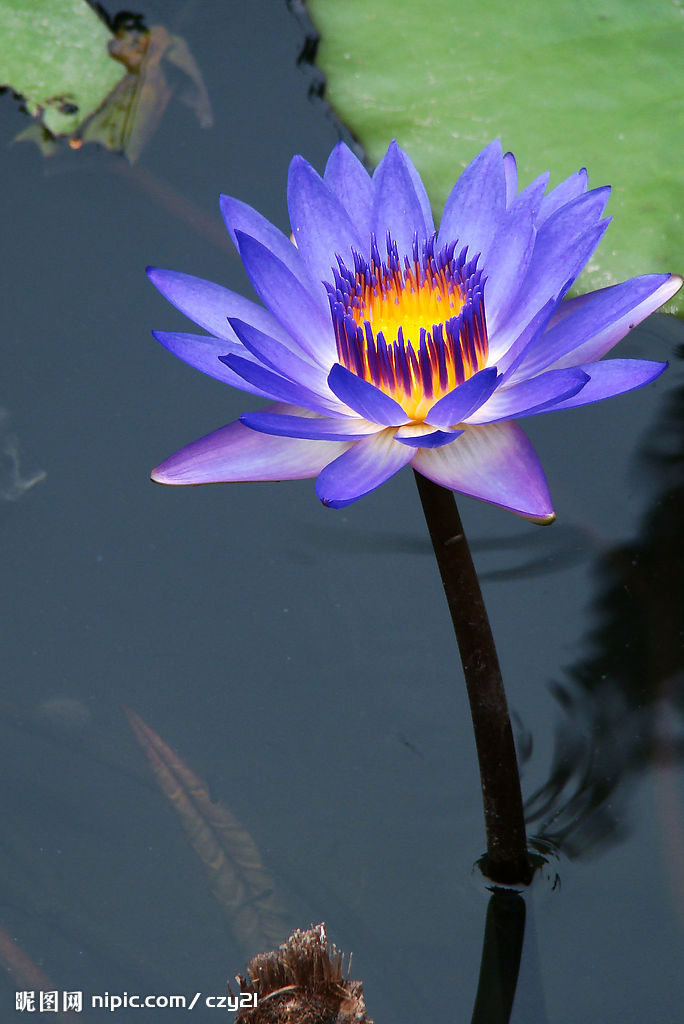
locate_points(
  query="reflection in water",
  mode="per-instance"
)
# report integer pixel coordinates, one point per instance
(535, 554)
(27, 976)
(64, 716)
(12, 483)
(619, 706)
(238, 878)
(541, 553)
(614, 703)
(622, 703)
(35, 891)
(622, 709)
(501, 953)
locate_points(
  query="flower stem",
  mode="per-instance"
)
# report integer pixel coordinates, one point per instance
(507, 861)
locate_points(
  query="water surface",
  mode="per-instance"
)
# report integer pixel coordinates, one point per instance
(300, 659)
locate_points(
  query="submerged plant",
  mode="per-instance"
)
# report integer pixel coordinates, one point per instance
(382, 342)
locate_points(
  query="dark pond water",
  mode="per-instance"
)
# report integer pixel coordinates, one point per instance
(298, 659)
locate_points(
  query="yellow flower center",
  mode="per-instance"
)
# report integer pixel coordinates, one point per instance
(415, 331)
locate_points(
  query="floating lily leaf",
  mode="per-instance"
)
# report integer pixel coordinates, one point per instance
(231, 859)
(563, 85)
(54, 54)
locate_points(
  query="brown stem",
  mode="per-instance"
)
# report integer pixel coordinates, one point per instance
(507, 861)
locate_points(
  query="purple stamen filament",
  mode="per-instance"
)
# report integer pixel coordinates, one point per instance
(416, 332)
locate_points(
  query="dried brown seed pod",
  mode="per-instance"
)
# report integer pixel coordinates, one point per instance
(302, 982)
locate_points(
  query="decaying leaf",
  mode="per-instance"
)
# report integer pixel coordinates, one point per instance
(131, 114)
(231, 859)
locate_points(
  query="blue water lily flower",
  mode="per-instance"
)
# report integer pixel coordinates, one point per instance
(383, 342)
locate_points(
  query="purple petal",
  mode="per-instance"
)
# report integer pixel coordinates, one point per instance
(364, 398)
(299, 312)
(421, 192)
(561, 244)
(350, 182)
(477, 203)
(210, 305)
(592, 324)
(533, 194)
(320, 224)
(511, 176)
(239, 216)
(562, 194)
(509, 362)
(204, 353)
(609, 378)
(531, 396)
(463, 400)
(510, 252)
(396, 206)
(322, 428)
(575, 217)
(364, 467)
(494, 463)
(237, 453)
(559, 255)
(278, 387)
(271, 352)
(427, 439)
(508, 258)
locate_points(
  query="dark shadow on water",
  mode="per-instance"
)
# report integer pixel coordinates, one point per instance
(621, 708)
(541, 553)
(622, 703)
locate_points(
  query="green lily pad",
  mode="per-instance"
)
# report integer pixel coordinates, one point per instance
(54, 54)
(563, 85)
